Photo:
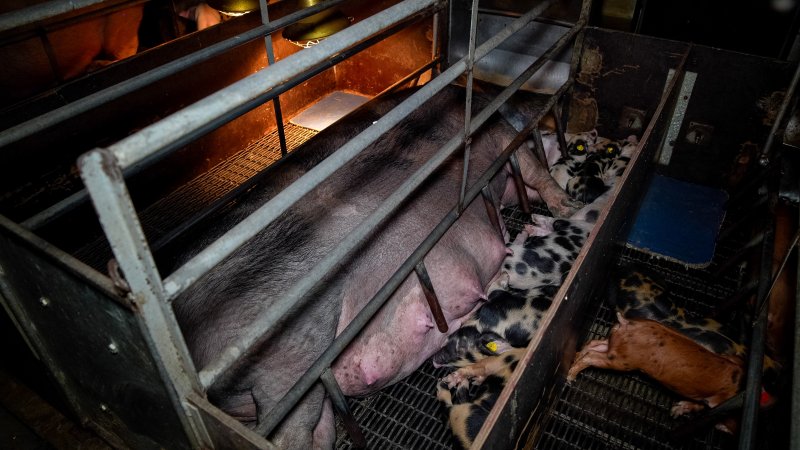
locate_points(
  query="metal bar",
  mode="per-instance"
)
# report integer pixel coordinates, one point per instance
(48, 215)
(755, 361)
(343, 409)
(776, 275)
(115, 210)
(794, 431)
(44, 121)
(473, 27)
(676, 121)
(708, 417)
(491, 210)
(276, 102)
(520, 184)
(430, 294)
(245, 92)
(776, 126)
(238, 235)
(243, 231)
(538, 146)
(13, 36)
(42, 11)
(285, 404)
(238, 190)
(407, 78)
(562, 139)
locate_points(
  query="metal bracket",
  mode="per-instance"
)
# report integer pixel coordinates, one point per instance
(678, 114)
(631, 119)
(699, 134)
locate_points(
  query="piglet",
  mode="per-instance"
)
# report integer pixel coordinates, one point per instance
(672, 359)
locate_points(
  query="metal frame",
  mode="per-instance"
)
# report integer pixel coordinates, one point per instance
(102, 171)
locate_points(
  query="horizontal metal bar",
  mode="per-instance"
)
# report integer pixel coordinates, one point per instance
(288, 401)
(245, 230)
(43, 11)
(62, 207)
(154, 138)
(794, 429)
(56, 116)
(249, 226)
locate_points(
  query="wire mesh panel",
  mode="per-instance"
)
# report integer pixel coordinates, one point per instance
(403, 416)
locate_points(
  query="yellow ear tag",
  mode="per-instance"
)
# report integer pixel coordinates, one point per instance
(580, 148)
(492, 346)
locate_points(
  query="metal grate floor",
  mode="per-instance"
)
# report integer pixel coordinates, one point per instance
(604, 409)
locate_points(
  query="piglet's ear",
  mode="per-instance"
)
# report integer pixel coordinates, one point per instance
(494, 343)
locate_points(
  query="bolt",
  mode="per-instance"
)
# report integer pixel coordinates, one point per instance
(44, 301)
(112, 347)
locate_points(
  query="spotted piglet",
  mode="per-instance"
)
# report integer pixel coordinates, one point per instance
(603, 165)
(677, 362)
(640, 292)
(579, 146)
(470, 392)
(511, 316)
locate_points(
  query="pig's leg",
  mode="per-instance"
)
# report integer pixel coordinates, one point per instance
(477, 373)
(594, 354)
(541, 226)
(325, 432)
(685, 407)
(538, 177)
(297, 429)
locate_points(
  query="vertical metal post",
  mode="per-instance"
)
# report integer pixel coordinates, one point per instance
(519, 183)
(430, 296)
(276, 103)
(755, 360)
(538, 146)
(343, 409)
(491, 210)
(103, 179)
(468, 108)
(562, 139)
(794, 432)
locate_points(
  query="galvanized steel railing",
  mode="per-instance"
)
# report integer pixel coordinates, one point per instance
(102, 171)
